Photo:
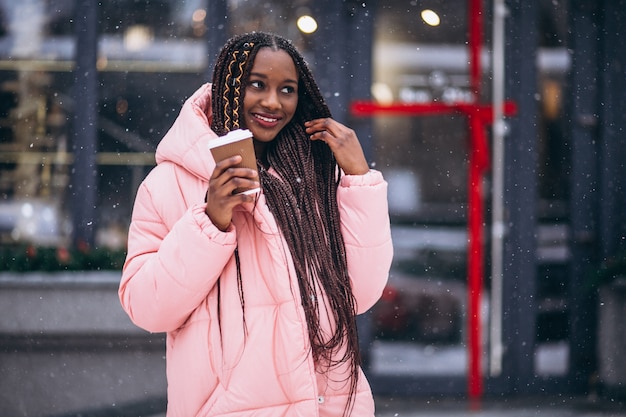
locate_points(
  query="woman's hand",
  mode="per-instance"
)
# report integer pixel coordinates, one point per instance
(342, 142)
(220, 198)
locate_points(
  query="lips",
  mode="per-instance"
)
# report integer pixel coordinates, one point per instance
(266, 120)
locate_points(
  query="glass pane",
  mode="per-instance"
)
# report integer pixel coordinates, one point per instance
(420, 321)
(35, 111)
(553, 317)
(419, 325)
(151, 56)
(167, 34)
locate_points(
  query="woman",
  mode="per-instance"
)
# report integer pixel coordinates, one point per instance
(258, 293)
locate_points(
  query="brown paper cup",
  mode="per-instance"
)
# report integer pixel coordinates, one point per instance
(236, 142)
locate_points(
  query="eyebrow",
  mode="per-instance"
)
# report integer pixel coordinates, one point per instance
(257, 74)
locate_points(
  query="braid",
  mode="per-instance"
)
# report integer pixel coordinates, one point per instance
(302, 198)
(232, 91)
(230, 71)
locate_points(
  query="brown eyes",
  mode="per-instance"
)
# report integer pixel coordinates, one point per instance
(260, 85)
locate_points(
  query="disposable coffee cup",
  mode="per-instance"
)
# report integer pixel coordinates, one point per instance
(236, 142)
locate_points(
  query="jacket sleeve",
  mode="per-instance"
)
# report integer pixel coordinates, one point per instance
(170, 270)
(366, 230)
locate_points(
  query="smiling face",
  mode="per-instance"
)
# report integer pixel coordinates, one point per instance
(271, 95)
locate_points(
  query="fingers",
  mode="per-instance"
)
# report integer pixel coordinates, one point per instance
(342, 141)
(227, 176)
(325, 129)
(335, 134)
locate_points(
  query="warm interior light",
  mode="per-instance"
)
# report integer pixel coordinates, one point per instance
(430, 17)
(382, 93)
(198, 15)
(138, 37)
(307, 24)
(197, 22)
(102, 62)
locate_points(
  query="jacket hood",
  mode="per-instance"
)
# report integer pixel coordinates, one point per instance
(185, 144)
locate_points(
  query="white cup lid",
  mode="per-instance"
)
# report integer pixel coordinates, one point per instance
(230, 137)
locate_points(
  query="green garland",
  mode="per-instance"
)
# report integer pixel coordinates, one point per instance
(27, 258)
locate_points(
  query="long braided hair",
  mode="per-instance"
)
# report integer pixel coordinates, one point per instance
(303, 198)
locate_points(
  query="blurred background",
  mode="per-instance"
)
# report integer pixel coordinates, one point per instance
(499, 125)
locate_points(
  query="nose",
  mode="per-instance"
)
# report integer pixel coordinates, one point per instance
(271, 100)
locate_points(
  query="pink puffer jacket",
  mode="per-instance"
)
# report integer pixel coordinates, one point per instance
(219, 366)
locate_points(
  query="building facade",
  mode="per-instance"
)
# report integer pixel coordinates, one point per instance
(500, 128)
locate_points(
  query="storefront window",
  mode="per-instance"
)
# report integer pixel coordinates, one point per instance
(34, 117)
(422, 57)
(151, 56)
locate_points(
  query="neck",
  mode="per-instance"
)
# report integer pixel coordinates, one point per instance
(260, 150)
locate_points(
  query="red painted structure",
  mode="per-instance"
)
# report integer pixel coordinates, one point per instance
(479, 117)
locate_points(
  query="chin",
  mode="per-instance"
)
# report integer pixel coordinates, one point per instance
(265, 137)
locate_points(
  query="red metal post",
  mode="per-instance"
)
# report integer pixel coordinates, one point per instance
(475, 40)
(478, 162)
(475, 207)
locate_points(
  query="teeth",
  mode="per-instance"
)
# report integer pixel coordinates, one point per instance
(266, 119)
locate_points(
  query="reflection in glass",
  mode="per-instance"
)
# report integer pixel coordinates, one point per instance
(151, 55)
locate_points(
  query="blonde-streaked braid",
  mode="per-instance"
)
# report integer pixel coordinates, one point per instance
(232, 86)
(227, 89)
(233, 72)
